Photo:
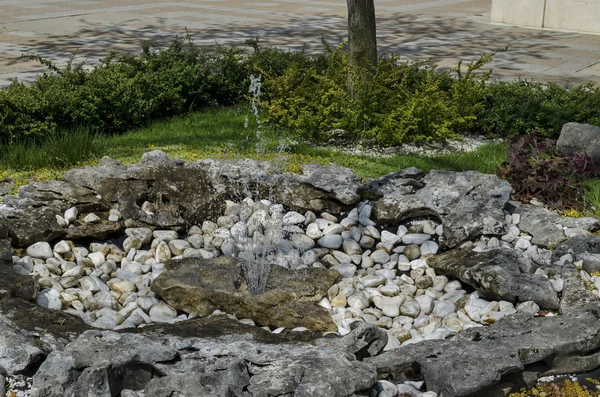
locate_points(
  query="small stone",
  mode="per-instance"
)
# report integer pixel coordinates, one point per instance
(429, 248)
(115, 214)
(425, 303)
(302, 242)
(428, 228)
(412, 252)
(351, 247)
(49, 298)
(163, 253)
(132, 267)
(339, 300)
(529, 307)
(122, 286)
(331, 241)
(92, 218)
(493, 243)
(380, 256)
(367, 242)
(97, 258)
(165, 235)
(410, 308)
(423, 282)
(415, 238)
(322, 223)
(62, 222)
(557, 284)
(162, 313)
(373, 281)
(522, 244)
(347, 223)
(178, 246)
(418, 263)
(132, 243)
(313, 231)
(516, 219)
(71, 214)
(62, 247)
(40, 250)
(443, 308)
(453, 285)
(390, 289)
(346, 270)
(144, 234)
(76, 272)
(329, 261)
(335, 228)
(293, 218)
(367, 262)
(328, 216)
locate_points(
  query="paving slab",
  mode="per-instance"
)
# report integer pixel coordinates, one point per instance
(445, 31)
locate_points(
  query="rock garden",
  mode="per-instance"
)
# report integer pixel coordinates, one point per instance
(231, 277)
(159, 239)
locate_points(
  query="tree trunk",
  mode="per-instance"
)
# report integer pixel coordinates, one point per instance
(362, 43)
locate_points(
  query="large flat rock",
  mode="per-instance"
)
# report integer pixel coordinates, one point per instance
(201, 286)
(468, 204)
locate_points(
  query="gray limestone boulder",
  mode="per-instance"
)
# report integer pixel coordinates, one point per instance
(28, 333)
(547, 227)
(500, 274)
(542, 224)
(576, 138)
(468, 204)
(575, 295)
(30, 216)
(484, 361)
(578, 245)
(210, 357)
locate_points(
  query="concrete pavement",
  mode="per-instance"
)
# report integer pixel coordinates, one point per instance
(443, 30)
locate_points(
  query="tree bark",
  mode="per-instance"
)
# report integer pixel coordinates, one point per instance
(362, 43)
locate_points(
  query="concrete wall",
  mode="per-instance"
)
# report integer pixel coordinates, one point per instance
(573, 15)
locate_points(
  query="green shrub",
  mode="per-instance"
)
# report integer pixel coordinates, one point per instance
(403, 102)
(124, 92)
(519, 107)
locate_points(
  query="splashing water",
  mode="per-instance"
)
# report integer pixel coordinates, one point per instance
(255, 92)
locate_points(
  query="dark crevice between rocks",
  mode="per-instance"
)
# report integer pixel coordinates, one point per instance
(516, 380)
(406, 371)
(133, 376)
(35, 365)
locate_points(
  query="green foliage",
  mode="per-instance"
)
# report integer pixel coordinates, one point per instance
(591, 190)
(121, 93)
(403, 102)
(535, 169)
(305, 94)
(519, 107)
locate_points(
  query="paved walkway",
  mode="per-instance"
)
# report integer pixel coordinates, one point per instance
(444, 30)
